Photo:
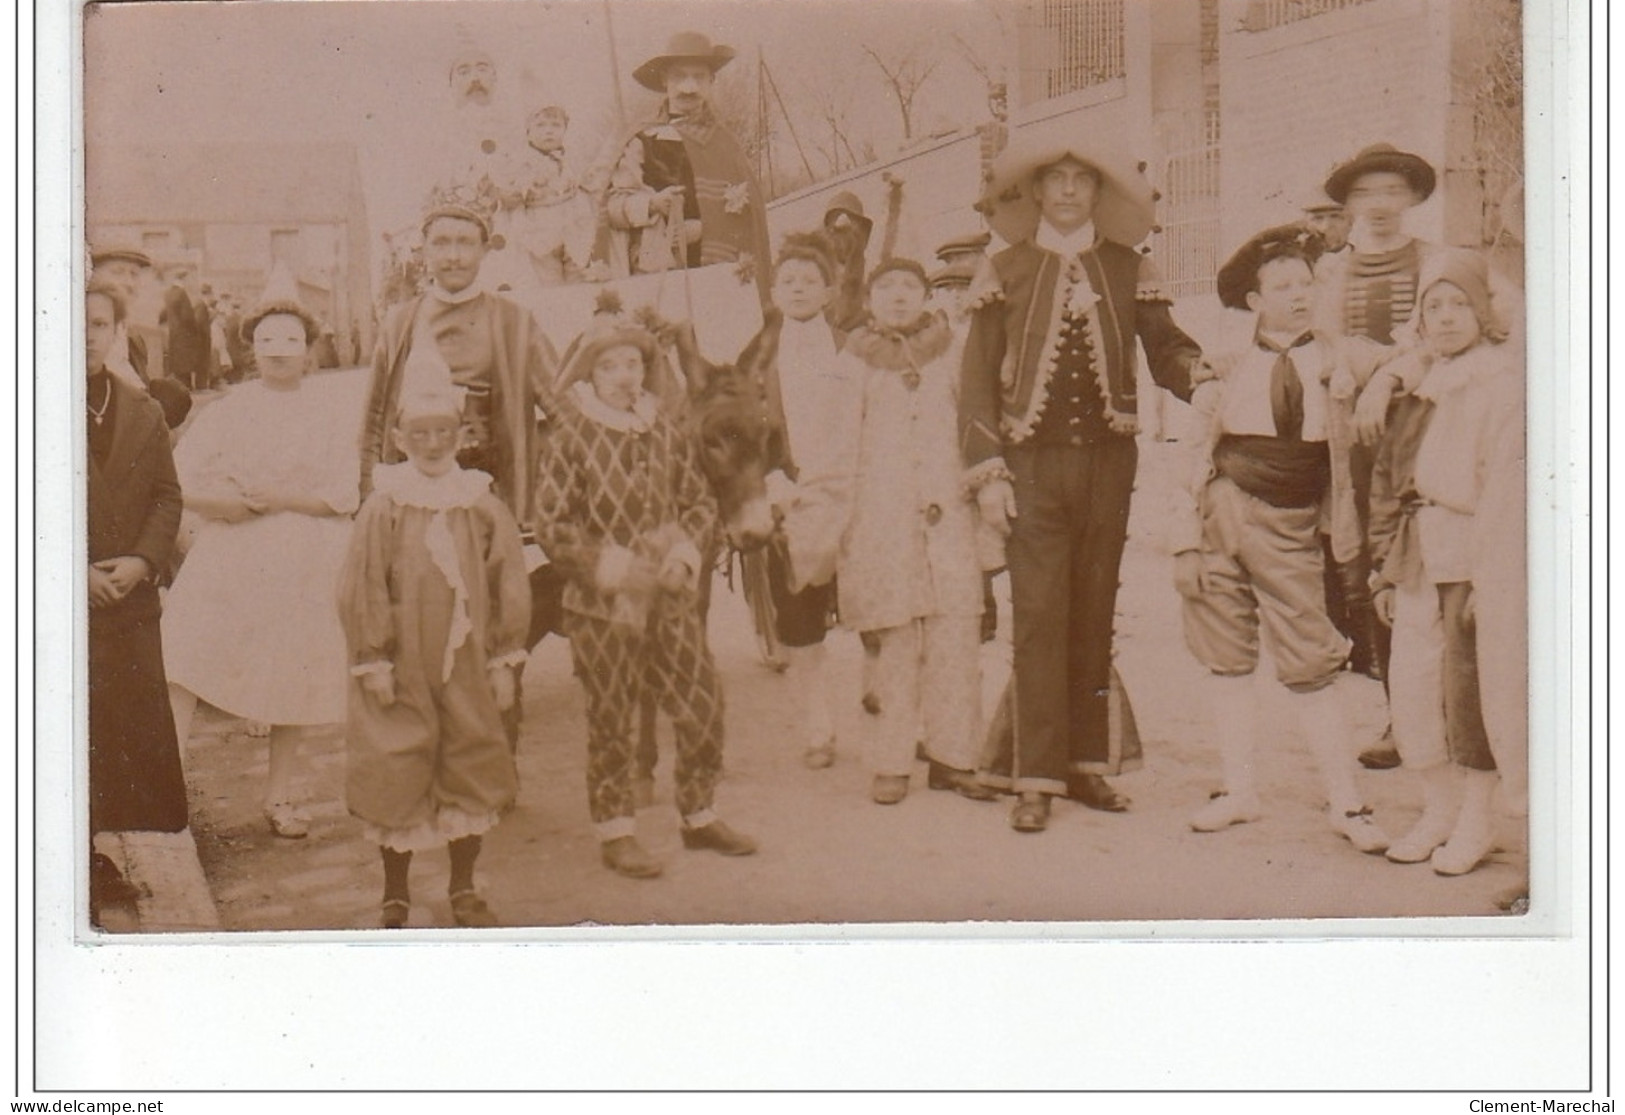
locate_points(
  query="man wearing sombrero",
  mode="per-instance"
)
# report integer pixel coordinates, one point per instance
(683, 193)
(1047, 425)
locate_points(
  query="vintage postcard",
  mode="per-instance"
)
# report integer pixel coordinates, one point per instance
(964, 483)
(646, 464)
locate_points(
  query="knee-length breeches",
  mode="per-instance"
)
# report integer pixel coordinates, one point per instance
(617, 665)
(1262, 565)
(435, 764)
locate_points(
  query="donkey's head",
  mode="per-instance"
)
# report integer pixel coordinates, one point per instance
(730, 433)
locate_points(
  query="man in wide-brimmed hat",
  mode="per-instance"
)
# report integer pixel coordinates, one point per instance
(1048, 410)
(1370, 291)
(683, 193)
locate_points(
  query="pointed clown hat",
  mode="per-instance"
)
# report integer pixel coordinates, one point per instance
(281, 296)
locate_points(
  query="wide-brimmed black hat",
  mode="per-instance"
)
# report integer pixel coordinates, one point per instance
(1382, 157)
(1239, 275)
(685, 46)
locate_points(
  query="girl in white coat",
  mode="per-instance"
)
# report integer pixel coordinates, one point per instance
(887, 513)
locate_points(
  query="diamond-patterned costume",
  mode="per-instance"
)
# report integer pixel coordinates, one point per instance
(618, 489)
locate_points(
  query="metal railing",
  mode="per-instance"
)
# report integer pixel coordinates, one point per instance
(1263, 15)
(1075, 44)
(1187, 250)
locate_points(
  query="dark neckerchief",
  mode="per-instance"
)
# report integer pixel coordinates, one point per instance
(1286, 389)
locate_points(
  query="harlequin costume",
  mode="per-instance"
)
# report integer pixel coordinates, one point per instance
(1048, 402)
(616, 488)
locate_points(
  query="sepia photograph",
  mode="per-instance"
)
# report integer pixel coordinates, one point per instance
(555, 465)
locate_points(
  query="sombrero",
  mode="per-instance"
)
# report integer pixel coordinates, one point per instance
(685, 46)
(1123, 212)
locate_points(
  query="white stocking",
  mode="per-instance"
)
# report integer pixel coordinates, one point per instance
(183, 706)
(1232, 704)
(283, 763)
(1325, 723)
(810, 679)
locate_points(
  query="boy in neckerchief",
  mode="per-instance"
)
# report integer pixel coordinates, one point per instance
(1249, 553)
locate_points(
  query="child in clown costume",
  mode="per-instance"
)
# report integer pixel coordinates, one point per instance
(435, 604)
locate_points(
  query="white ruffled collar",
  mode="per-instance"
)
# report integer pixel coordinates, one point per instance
(461, 487)
(638, 420)
(1067, 245)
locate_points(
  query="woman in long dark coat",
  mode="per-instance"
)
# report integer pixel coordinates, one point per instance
(134, 510)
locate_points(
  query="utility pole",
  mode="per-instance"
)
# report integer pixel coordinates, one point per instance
(764, 137)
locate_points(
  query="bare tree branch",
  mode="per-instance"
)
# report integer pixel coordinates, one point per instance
(904, 77)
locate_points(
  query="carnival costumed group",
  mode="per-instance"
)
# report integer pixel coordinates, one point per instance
(1357, 483)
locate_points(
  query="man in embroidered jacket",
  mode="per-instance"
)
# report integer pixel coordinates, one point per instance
(1047, 425)
(498, 355)
(683, 193)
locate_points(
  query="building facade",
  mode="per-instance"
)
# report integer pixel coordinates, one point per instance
(1238, 109)
(296, 208)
